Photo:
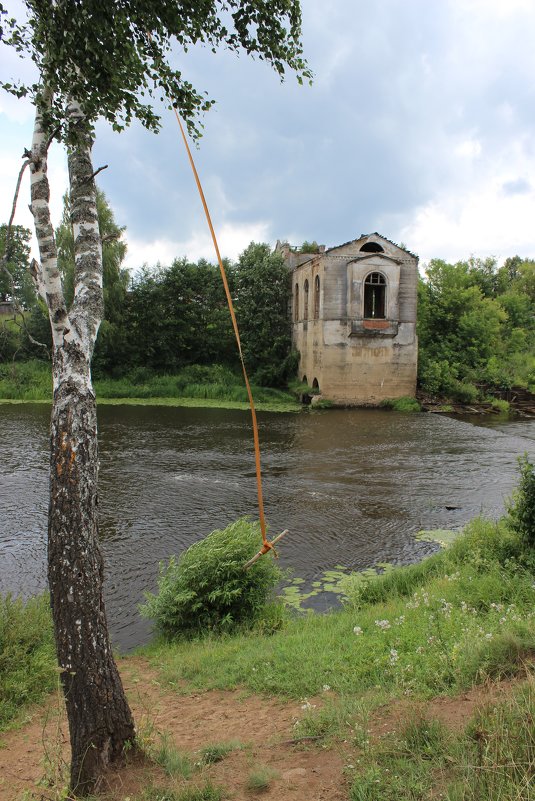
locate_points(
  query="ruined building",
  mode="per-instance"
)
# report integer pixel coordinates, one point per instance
(354, 319)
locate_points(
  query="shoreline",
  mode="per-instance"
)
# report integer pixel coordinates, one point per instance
(207, 403)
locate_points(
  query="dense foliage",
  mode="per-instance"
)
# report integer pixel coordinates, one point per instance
(116, 58)
(522, 506)
(207, 589)
(476, 325)
(18, 283)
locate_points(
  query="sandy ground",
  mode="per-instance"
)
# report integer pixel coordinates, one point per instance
(34, 757)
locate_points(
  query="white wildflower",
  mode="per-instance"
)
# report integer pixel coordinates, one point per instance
(384, 625)
(357, 630)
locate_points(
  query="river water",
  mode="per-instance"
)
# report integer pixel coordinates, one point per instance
(352, 486)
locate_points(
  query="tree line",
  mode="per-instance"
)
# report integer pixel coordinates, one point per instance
(476, 320)
(476, 326)
(165, 318)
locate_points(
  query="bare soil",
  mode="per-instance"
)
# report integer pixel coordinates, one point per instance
(34, 757)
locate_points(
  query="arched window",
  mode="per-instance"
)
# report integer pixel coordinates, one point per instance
(315, 385)
(305, 380)
(372, 247)
(305, 315)
(375, 296)
(317, 297)
(296, 303)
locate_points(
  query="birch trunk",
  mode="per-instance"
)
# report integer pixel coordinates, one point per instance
(100, 721)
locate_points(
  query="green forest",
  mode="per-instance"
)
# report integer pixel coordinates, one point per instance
(476, 324)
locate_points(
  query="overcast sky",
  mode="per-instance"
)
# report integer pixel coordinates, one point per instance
(420, 125)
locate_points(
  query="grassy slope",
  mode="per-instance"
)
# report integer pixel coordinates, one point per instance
(463, 617)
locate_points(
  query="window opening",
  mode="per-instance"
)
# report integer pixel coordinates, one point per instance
(306, 300)
(315, 385)
(296, 303)
(317, 297)
(375, 296)
(372, 247)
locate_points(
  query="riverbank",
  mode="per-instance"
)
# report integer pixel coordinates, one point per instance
(421, 686)
(195, 386)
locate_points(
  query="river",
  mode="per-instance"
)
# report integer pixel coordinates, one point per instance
(352, 486)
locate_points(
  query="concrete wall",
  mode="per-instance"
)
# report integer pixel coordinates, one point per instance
(355, 360)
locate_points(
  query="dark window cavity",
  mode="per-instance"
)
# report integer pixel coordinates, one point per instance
(375, 296)
(317, 297)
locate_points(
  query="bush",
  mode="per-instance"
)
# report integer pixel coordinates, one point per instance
(206, 588)
(404, 404)
(522, 507)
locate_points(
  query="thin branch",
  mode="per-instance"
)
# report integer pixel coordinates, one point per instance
(90, 178)
(20, 312)
(5, 259)
(52, 136)
(13, 209)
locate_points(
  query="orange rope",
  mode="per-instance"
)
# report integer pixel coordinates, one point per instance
(266, 545)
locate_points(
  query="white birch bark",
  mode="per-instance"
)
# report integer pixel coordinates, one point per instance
(100, 721)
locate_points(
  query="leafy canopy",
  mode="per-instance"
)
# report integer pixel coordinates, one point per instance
(115, 58)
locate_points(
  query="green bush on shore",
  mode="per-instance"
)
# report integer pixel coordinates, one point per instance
(405, 404)
(207, 589)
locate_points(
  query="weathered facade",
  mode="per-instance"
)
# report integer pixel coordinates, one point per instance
(354, 319)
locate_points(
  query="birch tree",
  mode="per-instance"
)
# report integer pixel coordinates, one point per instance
(112, 61)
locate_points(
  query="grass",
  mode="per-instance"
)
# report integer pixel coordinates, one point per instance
(217, 752)
(213, 386)
(260, 779)
(436, 627)
(171, 760)
(208, 792)
(405, 404)
(27, 663)
(462, 617)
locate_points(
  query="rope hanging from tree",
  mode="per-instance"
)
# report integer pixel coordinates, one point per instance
(266, 544)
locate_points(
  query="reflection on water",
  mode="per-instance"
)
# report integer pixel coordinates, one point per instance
(353, 486)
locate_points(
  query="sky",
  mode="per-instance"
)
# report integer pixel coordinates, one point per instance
(420, 124)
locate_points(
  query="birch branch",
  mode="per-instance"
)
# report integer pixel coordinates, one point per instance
(47, 273)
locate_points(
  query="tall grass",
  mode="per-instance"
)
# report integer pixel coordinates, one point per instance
(27, 661)
(32, 381)
(26, 380)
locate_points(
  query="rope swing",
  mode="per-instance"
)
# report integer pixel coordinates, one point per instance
(266, 544)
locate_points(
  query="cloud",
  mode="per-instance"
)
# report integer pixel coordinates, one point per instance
(232, 240)
(482, 222)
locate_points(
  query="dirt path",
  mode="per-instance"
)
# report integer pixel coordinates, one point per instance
(32, 758)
